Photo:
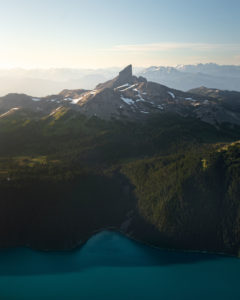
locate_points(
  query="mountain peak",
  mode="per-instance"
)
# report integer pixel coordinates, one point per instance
(126, 74)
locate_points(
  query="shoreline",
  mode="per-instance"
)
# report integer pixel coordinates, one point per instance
(80, 244)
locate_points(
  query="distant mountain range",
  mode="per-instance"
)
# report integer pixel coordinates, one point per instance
(187, 77)
(130, 97)
(40, 82)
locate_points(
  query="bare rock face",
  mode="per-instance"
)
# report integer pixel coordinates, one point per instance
(125, 76)
(103, 104)
(142, 79)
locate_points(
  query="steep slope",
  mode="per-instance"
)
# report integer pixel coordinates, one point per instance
(136, 98)
(169, 181)
(131, 155)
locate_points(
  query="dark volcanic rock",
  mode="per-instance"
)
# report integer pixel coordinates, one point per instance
(142, 79)
(125, 75)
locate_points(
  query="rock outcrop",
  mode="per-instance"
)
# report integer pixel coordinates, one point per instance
(125, 76)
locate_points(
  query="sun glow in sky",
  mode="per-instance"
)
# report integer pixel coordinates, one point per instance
(94, 33)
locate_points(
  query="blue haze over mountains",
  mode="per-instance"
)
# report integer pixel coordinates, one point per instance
(42, 82)
(185, 77)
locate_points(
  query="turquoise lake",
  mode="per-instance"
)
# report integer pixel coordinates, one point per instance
(110, 266)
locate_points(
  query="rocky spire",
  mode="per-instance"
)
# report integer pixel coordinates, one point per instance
(126, 74)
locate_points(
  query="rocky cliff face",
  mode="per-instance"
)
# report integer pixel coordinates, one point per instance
(125, 75)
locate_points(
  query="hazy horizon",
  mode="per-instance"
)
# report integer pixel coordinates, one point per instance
(42, 82)
(113, 67)
(50, 45)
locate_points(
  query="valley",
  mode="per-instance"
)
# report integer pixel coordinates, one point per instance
(157, 164)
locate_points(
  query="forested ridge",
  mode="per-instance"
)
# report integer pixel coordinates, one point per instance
(168, 180)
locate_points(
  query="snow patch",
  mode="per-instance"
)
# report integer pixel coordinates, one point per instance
(127, 100)
(122, 86)
(128, 88)
(75, 101)
(172, 95)
(140, 98)
(36, 99)
(144, 112)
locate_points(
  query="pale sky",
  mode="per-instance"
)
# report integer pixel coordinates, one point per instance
(106, 33)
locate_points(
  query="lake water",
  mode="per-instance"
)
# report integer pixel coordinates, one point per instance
(110, 266)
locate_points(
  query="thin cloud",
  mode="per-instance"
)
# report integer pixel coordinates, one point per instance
(155, 47)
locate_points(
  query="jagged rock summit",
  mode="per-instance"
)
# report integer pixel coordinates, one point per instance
(126, 74)
(134, 98)
(125, 77)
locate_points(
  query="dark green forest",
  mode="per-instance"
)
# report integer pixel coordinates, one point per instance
(168, 180)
